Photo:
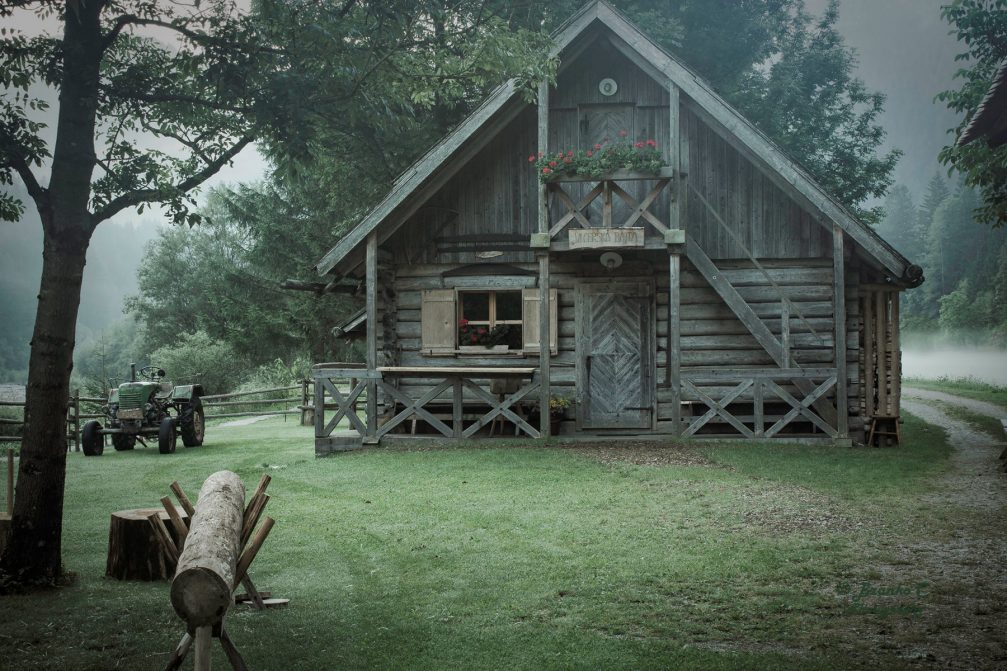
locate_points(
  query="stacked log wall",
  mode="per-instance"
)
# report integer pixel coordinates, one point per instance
(711, 336)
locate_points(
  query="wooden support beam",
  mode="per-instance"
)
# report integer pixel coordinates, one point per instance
(839, 307)
(544, 307)
(544, 340)
(675, 214)
(181, 530)
(372, 335)
(867, 315)
(785, 331)
(881, 350)
(674, 340)
(896, 357)
(183, 501)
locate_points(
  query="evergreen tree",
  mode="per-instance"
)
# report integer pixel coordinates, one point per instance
(900, 223)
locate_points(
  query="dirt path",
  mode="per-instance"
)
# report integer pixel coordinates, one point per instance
(961, 623)
(980, 407)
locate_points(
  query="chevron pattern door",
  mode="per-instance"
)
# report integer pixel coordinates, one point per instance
(615, 357)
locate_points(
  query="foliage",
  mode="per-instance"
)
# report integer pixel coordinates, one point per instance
(808, 100)
(433, 545)
(981, 25)
(965, 262)
(603, 159)
(196, 358)
(223, 278)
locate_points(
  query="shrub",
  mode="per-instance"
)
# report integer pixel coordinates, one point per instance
(198, 358)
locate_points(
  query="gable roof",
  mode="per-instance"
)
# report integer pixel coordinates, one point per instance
(434, 168)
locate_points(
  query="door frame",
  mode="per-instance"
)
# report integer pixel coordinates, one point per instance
(642, 287)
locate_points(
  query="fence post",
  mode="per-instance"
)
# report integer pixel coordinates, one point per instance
(76, 420)
(307, 413)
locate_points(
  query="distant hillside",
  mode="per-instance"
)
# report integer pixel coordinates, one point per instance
(112, 259)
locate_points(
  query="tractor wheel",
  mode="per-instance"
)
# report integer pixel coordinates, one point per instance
(122, 442)
(192, 423)
(91, 440)
(166, 436)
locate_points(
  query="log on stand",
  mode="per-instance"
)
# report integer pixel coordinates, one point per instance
(134, 550)
(214, 551)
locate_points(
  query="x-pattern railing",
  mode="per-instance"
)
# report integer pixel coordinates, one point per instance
(763, 384)
(607, 188)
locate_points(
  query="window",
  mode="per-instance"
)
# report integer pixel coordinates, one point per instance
(490, 318)
(449, 319)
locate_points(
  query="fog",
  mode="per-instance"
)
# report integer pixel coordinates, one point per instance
(986, 364)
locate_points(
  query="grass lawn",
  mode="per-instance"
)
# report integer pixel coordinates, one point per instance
(518, 557)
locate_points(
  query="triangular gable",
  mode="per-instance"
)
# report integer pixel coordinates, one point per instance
(427, 174)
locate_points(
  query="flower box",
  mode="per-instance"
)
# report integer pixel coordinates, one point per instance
(482, 349)
(616, 175)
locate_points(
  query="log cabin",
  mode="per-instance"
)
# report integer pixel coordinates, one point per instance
(715, 291)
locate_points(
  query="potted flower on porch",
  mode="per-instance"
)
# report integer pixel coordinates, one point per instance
(558, 406)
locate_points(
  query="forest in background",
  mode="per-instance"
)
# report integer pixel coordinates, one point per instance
(205, 302)
(964, 298)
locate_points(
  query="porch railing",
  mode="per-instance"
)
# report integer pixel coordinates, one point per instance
(758, 387)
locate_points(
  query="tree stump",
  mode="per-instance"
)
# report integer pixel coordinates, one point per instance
(134, 552)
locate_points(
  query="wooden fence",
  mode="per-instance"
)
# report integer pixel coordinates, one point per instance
(80, 408)
(256, 407)
(84, 408)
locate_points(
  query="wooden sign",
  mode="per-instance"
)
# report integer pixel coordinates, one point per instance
(600, 238)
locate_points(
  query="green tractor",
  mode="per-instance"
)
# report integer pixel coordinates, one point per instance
(148, 406)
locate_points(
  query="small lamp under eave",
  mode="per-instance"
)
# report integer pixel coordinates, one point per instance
(611, 260)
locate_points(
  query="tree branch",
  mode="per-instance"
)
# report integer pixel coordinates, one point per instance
(38, 193)
(140, 196)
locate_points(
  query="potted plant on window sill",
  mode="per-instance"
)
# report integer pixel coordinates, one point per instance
(477, 338)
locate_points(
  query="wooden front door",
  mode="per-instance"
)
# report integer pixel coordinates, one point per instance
(615, 355)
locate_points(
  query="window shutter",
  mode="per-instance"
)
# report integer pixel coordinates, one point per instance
(437, 317)
(529, 318)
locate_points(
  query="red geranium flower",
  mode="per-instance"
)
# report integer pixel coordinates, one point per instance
(474, 337)
(638, 145)
(623, 133)
(552, 164)
(546, 171)
(597, 146)
(482, 330)
(589, 153)
(531, 159)
(540, 154)
(570, 152)
(568, 160)
(463, 322)
(651, 143)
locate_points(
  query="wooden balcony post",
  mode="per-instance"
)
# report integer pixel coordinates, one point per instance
(839, 307)
(674, 340)
(544, 317)
(372, 335)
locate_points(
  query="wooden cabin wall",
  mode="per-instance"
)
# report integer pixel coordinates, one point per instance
(711, 336)
(767, 222)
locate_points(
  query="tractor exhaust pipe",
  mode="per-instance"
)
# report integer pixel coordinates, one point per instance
(132, 372)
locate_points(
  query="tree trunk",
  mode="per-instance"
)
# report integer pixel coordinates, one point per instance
(33, 553)
(134, 552)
